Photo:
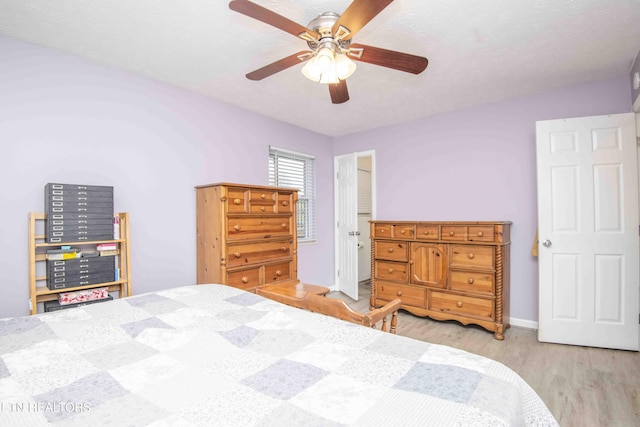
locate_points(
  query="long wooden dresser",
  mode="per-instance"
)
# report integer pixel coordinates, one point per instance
(246, 235)
(444, 270)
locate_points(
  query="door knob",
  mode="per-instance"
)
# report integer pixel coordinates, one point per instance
(546, 243)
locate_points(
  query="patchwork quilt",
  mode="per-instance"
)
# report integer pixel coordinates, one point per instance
(213, 355)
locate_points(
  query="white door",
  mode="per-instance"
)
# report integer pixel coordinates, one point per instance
(346, 207)
(588, 231)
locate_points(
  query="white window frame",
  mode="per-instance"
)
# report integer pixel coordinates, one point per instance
(303, 179)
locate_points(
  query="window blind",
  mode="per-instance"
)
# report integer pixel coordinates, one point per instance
(296, 170)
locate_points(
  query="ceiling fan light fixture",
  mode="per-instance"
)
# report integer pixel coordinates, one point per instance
(325, 59)
(344, 66)
(329, 65)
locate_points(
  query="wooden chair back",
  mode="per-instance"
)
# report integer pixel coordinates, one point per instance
(338, 308)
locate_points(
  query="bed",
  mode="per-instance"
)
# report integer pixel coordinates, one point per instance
(213, 355)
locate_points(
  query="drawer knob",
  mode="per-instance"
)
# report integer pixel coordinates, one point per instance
(278, 273)
(459, 304)
(382, 231)
(480, 233)
(237, 254)
(471, 256)
(237, 227)
(425, 232)
(451, 233)
(284, 225)
(470, 281)
(245, 279)
(399, 293)
(284, 249)
(390, 250)
(262, 209)
(236, 201)
(403, 232)
(391, 270)
(262, 196)
(285, 203)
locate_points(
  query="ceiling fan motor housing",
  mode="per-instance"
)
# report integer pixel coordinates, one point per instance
(323, 25)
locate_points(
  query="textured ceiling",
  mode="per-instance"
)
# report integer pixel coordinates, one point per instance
(478, 51)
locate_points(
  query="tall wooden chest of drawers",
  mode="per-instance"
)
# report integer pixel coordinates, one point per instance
(444, 270)
(246, 235)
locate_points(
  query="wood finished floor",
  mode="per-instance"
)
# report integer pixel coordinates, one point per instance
(581, 386)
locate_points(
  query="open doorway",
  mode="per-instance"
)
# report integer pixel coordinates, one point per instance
(365, 214)
(355, 207)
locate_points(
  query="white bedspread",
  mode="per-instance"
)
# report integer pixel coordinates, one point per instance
(213, 355)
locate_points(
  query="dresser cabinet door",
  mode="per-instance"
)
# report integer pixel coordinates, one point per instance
(428, 264)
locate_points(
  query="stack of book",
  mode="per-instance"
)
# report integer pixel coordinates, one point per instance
(64, 252)
(107, 249)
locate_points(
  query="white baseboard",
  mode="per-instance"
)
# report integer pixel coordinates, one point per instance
(523, 323)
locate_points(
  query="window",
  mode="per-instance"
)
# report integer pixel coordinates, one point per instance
(296, 170)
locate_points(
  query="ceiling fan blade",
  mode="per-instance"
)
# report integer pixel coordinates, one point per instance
(268, 17)
(358, 14)
(338, 92)
(280, 65)
(388, 58)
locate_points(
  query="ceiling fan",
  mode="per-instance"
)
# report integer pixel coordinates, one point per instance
(328, 36)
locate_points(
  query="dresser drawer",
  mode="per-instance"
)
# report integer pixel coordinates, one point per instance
(428, 232)
(481, 233)
(277, 272)
(382, 231)
(480, 308)
(244, 279)
(262, 201)
(285, 202)
(237, 200)
(471, 256)
(403, 231)
(471, 281)
(395, 271)
(392, 251)
(454, 233)
(258, 227)
(256, 253)
(414, 296)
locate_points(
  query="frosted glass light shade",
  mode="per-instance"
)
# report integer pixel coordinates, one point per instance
(328, 67)
(344, 66)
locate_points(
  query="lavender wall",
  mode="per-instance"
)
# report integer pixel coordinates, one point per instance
(479, 164)
(63, 119)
